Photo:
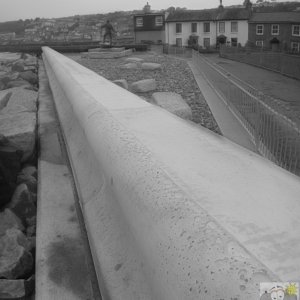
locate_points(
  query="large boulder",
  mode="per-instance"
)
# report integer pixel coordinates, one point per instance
(131, 65)
(4, 98)
(16, 288)
(30, 171)
(151, 66)
(143, 86)
(29, 76)
(134, 59)
(173, 103)
(122, 83)
(23, 97)
(21, 203)
(10, 166)
(9, 220)
(15, 259)
(20, 131)
(30, 60)
(29, 180)
(6, 57)
(18, 65)
(18, 83)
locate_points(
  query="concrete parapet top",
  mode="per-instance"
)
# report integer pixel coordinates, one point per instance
(180, 211)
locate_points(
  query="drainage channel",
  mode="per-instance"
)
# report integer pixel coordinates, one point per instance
(64, 265)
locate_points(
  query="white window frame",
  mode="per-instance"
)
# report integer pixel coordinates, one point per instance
(297, 46)
(192, 27)
(259, 32)
(231, 25)
(259, 44)
(223, 29)
(178, 32)
(273, 26)
(298, 30)
(204, 27)
(159, 21)
(139, 22)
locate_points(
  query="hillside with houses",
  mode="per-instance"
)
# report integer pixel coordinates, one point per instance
(265, 24)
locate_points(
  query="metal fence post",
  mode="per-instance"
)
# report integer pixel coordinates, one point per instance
(257, 122)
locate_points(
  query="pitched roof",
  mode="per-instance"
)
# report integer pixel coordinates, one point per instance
(235, 13)
(192, 15)
(278, 17)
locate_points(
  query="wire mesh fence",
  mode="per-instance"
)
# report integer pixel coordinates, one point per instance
(179, 51)
(283, 63)
(274, 135)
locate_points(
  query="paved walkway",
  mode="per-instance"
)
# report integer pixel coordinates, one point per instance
(283, 93)
(228, 123)
(283, 89)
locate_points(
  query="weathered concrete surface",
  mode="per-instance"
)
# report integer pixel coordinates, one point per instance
(152, 202)
(62, 270)
(173, 103)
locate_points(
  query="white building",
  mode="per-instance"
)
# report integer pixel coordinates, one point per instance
(208, 27)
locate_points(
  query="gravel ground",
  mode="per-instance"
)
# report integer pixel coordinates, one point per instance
(175, 76)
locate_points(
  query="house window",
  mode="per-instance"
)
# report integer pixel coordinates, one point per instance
(234, 42)
(206, 42)
(206, 28)
(139, 22)
(259, 29)
(259, 44)
(194, 27)
(275, 29)
(178, 27)
(295, 47)
(234, 26)
(158, 21)
(222, 27)
(179, 42)
(296, 30)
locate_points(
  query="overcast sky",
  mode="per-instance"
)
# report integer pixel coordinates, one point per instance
(30, 9)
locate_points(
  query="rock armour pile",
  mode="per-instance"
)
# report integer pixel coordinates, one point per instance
(18, 174)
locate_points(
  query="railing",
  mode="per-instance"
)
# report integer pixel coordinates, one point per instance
(283, 63)
(179, 51)
(274, 135)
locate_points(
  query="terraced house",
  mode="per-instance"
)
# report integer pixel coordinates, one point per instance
(149, 27)
(276, 31)
(209, 27)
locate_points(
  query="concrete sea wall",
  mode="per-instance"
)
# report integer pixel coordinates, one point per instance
(172, 211)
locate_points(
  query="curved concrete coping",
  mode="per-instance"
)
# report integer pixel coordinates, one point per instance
(172, 210)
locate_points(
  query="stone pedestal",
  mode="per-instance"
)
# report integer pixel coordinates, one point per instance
(98, 53)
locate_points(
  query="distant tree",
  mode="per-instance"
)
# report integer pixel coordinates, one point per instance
(171, 9)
